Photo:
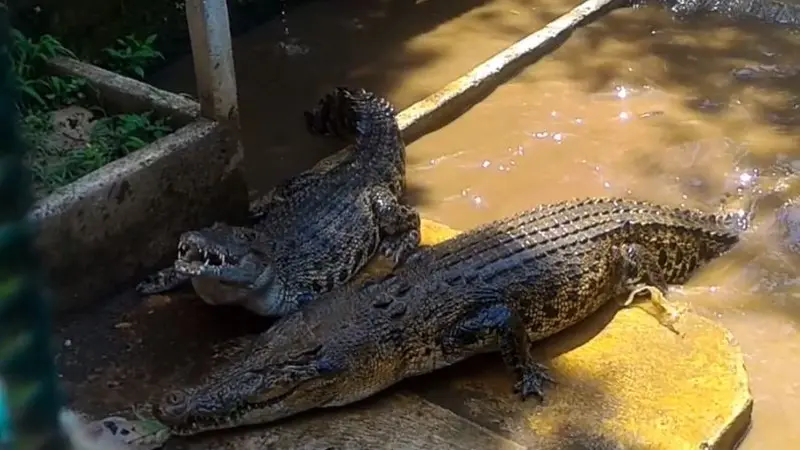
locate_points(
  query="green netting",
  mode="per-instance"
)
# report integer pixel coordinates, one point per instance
(31, 399)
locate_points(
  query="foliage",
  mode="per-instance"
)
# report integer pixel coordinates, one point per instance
(131, 56)
(28, 58)
(112, 136)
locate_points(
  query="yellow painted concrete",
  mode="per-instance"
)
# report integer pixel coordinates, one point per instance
(636, 382)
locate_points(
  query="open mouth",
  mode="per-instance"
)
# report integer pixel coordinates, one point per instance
(201, 257)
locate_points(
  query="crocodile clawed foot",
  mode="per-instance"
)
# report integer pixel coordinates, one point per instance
(162, 281)
(398, 249)
(533, 377)
(668, 314)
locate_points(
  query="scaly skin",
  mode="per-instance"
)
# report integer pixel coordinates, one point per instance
(523, 278)
(775, 12)
(317, 230)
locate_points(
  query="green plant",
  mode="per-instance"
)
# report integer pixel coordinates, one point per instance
(128, 132)
(131, 56)
(28, 58)
(112, 137)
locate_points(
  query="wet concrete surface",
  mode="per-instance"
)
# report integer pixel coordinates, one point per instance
(128, 351)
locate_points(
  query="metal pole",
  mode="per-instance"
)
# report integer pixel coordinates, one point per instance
(215, 74)
(214, 70)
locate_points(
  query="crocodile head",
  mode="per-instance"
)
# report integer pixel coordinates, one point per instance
(220, 252)
(300, 363)
(231, 265)
(226, 264)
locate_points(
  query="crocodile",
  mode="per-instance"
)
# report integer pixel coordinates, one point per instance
(496, 288)
(773, 12)
(315, 231)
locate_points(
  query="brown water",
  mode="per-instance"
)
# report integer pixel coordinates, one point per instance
(635, 104)
(638, 105)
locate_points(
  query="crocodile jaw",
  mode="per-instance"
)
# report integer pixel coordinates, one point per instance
(305, 361)
(215, 292)
(236, 413)
(221, 261)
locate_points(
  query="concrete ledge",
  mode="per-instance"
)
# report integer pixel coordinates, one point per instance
(125, 94)
(123, 220)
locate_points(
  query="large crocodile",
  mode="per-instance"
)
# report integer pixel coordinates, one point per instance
(318, 229)
(540, 271)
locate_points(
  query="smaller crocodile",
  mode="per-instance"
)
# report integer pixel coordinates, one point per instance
(315, 231)
(499, 287)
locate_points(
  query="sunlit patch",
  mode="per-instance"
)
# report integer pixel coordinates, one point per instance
(541, 134)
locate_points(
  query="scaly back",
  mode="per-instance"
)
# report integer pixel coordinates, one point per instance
(683, 239)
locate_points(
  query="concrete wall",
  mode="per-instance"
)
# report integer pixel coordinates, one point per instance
(114, 225)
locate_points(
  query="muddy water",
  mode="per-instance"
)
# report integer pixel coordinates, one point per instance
(636, 104)
(678, 113)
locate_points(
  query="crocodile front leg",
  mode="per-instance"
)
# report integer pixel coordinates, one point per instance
(162, 281)
(398, 224)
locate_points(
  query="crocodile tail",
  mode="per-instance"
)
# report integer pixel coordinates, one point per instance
(741, 208)
(351, 114)
(737, 212)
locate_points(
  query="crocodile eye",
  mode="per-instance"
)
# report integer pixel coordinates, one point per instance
(175, 398)
(252, 381)
(174, 404)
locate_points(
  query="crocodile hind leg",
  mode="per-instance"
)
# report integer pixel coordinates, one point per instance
(517, 351)
(162, 281)
(642, 275)
(398, 223)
